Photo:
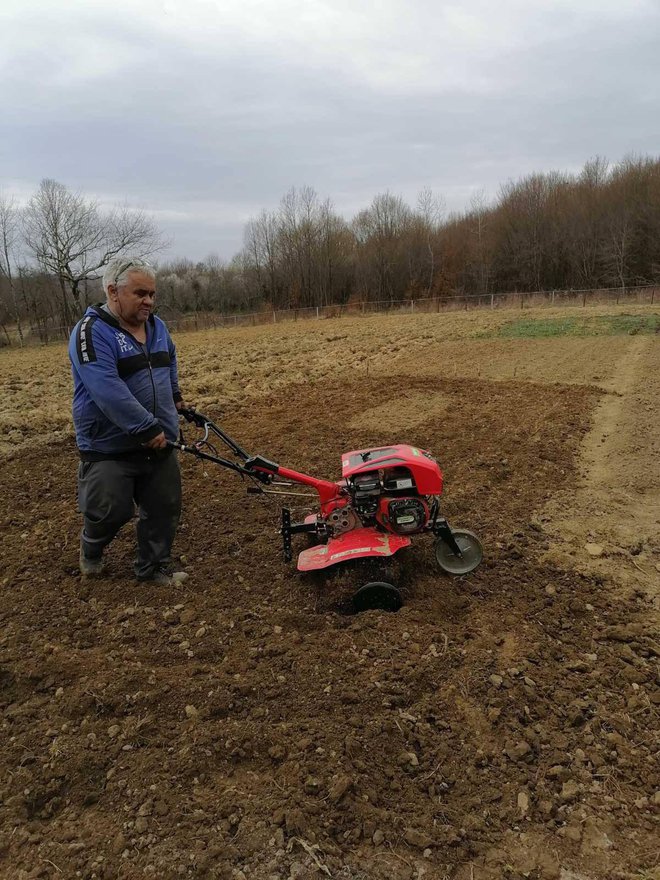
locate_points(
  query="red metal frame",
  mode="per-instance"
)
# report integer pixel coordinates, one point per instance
(329, 493)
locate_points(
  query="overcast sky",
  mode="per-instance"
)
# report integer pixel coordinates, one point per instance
(204, 112)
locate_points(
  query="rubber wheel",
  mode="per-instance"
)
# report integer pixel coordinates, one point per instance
(377, 595)
(470, 547)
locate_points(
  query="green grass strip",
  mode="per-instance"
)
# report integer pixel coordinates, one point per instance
(543, 328)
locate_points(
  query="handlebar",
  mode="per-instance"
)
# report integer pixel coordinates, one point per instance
(247, 468)
(190, 414)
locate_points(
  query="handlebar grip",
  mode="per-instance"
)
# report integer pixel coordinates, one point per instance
(190, 414)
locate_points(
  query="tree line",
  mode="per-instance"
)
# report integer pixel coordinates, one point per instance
(53, 251)
(552, 231)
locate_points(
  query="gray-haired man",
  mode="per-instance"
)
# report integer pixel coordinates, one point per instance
(125, 410)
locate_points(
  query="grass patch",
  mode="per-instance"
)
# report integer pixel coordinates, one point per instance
(610, 325)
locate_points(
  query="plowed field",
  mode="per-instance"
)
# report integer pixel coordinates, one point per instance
(245, 726)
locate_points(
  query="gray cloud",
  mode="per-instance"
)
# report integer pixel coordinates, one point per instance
(205, 113)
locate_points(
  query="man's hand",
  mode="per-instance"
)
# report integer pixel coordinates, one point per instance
(180, 405)
(158, 442)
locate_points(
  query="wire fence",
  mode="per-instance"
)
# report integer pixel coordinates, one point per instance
(639, 295)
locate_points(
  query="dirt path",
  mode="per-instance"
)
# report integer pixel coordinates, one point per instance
(610, 524)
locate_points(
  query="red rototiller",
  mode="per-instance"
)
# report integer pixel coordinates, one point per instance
(385, 495)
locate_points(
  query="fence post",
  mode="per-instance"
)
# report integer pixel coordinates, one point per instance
(317, 313)
(412, 305)
(274, 318)
(492, 301)
(584, 298)
(522, 301)
(652, 294)
(553, 297)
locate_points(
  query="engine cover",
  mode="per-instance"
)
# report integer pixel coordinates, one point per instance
(422, 467)
(403, 516)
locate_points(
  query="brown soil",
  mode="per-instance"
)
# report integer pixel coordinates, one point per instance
(500, 725)
(615, 505)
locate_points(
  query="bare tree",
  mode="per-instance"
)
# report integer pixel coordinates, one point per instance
(431, 210)
(627, 198)
(584, 224)
(618, 248)
(383, 255)
(72, 238)
(335, 257)
(9, 235)
(478, 216)
(298, 237)
(262, 248)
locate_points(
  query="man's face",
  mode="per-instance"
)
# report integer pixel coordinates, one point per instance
(134, 300)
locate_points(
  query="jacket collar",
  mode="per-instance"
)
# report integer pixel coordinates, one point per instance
(109, 318)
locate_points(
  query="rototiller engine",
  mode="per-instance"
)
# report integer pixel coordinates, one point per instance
(385, 495)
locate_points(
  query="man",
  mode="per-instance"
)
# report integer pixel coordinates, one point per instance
(125, 402)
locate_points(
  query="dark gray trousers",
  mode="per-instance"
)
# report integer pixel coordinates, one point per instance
(107, 494)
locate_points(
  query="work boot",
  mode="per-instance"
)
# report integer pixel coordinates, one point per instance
(166, 576)
(90, 568)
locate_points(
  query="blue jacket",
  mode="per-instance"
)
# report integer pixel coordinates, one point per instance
(124, 392)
